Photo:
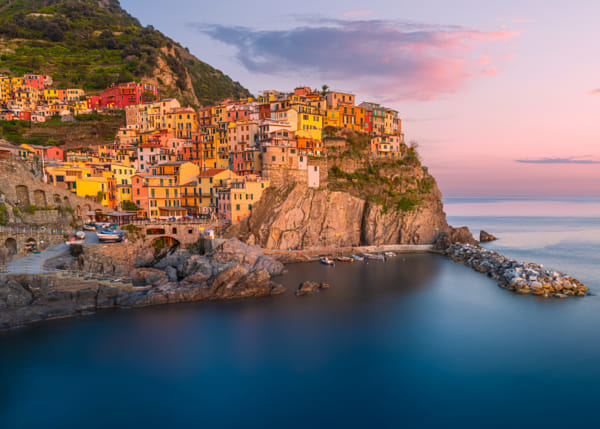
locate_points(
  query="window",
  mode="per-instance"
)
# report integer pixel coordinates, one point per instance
(237, 206)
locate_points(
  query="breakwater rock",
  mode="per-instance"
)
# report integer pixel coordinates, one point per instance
(486, 236)
(519, 277)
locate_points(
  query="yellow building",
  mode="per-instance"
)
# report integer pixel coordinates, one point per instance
(236, 201)
(66, 175)
(183, 122)
(95, 188)
(163, 197)
(180, 171)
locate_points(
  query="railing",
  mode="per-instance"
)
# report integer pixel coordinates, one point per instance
(33, 230)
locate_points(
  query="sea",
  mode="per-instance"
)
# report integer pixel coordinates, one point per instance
(417, 341)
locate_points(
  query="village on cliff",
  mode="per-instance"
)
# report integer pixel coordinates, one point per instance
(170, 161)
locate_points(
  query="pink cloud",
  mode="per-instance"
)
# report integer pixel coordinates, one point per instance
(354, 13)
(391, 60)
(594, 92)
(508, 57)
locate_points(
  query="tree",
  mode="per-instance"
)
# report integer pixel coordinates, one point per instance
(129, 206)
(324, 90)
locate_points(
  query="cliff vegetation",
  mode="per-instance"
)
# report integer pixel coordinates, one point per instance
(94, 43)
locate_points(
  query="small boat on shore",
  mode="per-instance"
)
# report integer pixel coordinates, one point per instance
(79, 238)
(374, 257)
(325, 260)
(389, 254)
(89, 227)
(106, 235)
(358, 258)
(344, 259)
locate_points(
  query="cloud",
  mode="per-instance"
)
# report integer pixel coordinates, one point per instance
(570, 160)
(594, 92)
(354, 13)
(391, 60)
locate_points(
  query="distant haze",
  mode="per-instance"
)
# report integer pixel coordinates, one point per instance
(500, 101)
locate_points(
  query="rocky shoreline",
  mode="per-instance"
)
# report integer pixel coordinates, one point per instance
(234, 270)
(516, 276)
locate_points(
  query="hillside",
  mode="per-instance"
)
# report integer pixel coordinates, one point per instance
(88, 130)
(94, 43)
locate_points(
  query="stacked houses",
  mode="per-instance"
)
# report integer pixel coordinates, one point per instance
(171, 161)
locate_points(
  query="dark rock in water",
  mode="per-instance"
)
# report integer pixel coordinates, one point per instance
(309, 288)
(460, 235)
(485, 237)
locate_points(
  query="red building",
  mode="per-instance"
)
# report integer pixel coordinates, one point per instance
(122, 95)
(35, 80)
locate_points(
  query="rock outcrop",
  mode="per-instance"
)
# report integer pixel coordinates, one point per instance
(320, 218)
(484, 237)
(309, 288)
(234, 270)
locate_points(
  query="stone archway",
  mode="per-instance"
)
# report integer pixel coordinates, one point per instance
(11, 245)
(57, 200)
(67, 202)
(164, 242)
(22, 192)
(39, 198)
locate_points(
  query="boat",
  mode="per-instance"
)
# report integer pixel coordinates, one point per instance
(325, 260)
(73, 240)
(344, 259)
(105, 235)
(389, 254)
(80, 235)
(89, 227)
(374, 256)
(358, 258)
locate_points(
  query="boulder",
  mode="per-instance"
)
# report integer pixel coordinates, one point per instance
(12, 294)
(309, 288)
(147, 276)
(485, 237)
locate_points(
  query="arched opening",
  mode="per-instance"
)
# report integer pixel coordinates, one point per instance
(11, 245)
(174, 230)
(22, 192)
(155, 231)
(164, 244)
(39, 198)
(57, 200)
(67, 202)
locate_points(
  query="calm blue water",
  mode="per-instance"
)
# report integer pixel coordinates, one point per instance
(416, 342)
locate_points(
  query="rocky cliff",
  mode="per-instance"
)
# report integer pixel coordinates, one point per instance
(365, 201)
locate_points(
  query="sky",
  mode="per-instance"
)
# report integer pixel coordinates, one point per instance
(502, 98)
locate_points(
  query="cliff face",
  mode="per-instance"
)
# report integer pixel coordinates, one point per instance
(364, 200)
(319, 218)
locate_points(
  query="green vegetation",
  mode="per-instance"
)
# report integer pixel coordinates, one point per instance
(100, 197)
(17, 212)
(30, 209)
(88, 130)
(3, 214)
(129, 206)
(393, 184)
(93, 44)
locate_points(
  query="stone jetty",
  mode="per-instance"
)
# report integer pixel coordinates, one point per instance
(516, 276)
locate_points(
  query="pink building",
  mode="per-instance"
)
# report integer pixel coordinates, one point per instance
(122, 95)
